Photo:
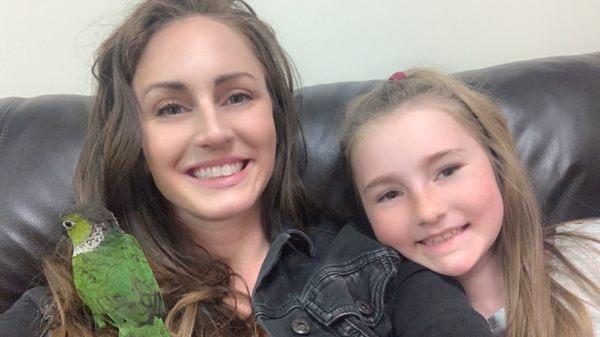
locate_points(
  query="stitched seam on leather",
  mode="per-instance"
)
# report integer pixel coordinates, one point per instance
(4, 125)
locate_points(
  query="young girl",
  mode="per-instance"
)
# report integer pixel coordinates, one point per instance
(440, 180)
(192, 145)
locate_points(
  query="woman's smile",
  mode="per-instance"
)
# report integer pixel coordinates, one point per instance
(208, 132)
(228, 174)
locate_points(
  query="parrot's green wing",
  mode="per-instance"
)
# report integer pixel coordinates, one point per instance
(116, 283)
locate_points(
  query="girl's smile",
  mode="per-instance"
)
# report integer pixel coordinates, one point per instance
(443, 236)
(428, 188)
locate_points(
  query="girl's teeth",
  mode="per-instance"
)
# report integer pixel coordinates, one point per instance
(442, 237)
(218, 171)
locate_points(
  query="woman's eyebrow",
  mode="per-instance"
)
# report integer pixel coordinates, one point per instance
(179, 86)
(228, 77)
(171, 85)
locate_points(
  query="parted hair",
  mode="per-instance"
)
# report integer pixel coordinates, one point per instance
(112, 170)
(536, 304)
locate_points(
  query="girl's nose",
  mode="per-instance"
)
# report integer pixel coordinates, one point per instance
(430, 207)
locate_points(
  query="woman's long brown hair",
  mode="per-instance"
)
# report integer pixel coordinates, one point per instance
(112, 170)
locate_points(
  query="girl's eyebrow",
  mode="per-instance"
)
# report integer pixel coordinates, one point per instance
(427, 161)
(381, 180)
(431, 159)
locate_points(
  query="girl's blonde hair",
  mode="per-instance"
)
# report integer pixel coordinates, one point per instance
(536, 305)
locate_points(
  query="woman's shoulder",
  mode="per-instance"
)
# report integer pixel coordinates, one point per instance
(25, 317)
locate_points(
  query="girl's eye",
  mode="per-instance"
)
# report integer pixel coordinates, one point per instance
(447, 172)
(238, 98)
(387, 196)
(168, 109)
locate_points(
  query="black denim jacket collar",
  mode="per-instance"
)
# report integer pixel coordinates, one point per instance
(325, 275)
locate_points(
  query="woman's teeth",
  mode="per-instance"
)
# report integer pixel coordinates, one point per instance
(434, 240)
(218, 171)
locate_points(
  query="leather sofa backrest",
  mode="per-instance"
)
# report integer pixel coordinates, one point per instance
(553, 109)
(553, 106)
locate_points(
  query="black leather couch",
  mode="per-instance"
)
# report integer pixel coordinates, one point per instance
(553, 105)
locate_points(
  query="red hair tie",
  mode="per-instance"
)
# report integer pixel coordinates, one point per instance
(397, 76)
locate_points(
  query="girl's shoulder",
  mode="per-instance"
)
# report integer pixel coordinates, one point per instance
(578, 243)
(423, 303)
(26, 316)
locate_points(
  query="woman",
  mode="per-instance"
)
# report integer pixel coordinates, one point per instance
(191, 144)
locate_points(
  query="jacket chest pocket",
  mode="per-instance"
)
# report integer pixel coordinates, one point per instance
(349, 298)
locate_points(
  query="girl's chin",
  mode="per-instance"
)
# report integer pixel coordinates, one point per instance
(456, 270)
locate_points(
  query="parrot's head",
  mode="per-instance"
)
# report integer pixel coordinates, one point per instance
(79, 221)
(78, 228)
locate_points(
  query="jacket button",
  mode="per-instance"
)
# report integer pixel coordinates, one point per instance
(364, 307)
(300, 326)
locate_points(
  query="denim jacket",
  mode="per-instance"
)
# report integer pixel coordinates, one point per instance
(323, 283)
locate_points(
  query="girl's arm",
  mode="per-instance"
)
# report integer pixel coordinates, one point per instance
(424, 304)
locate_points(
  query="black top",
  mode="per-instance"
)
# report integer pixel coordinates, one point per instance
(323, 283)
(347, 284)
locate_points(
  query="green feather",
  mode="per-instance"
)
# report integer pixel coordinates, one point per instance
(112, 276)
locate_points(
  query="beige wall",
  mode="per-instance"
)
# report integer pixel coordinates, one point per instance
(47, 45)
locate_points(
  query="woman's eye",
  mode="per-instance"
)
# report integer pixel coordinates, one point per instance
(168, 109)
(447, 172)
(238, 98)
(388, 196)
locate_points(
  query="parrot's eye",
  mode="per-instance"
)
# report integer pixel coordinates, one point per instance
(68, 224)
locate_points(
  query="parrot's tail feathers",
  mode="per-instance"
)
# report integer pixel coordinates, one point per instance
(156, 329)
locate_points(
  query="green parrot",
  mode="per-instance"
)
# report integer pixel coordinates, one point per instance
(111, 274)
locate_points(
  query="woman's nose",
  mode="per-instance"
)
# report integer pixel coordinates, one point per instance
(430, 206)
(211, 130)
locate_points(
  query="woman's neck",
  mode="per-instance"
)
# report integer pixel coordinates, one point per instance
(484, 285)
(239, 242)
